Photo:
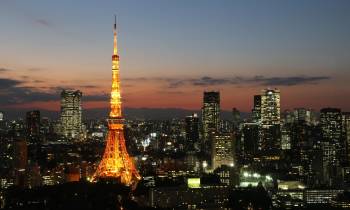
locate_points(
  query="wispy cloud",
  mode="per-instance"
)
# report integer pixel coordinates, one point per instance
(291, 81)
(16, 92)
(88, 86)
(217, 81)
(35, 69)
(4, 69)
(22, 90)
(170, 92)
(38, 81)
(210, 81)
(259, 80)
(43, 22)
(8, 83)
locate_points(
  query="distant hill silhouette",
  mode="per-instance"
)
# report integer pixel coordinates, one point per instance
(129, 113)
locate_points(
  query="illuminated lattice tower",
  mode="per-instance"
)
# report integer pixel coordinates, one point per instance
(116, 162)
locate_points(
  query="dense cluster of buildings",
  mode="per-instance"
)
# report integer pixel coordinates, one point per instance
(299, 157)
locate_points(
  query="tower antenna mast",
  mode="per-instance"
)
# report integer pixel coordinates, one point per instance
(115, 22)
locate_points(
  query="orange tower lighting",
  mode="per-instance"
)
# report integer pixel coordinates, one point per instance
(116, 162)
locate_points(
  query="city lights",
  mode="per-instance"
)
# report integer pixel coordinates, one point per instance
(216, 105)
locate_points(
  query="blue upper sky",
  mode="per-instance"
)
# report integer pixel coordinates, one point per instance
(180, 40)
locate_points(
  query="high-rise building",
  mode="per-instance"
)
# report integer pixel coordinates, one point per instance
(236, 118)
(256, 112)
(17, 128)
(20, 158)
(2, 120)
(346, 132)
(192, 131)
(304, 115)
(270, 107)
(250, 139)
(20, 154)
(223, 150)
(331, 124)
(332, 144)
(299, 132)
(34, 176)
(210, 113)
(269, 142)
(285, 138)
(288, 117)
(71, 112)
(33, 124)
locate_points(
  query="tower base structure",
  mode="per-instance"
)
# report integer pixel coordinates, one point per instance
(116, 163)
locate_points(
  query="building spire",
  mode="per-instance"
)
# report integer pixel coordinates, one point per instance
(115, 94)
(115, 22)
(115, 48)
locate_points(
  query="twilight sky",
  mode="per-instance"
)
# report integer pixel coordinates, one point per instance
(171, 51)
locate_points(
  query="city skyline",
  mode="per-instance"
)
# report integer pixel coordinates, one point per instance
(171, 53)
(212, 105)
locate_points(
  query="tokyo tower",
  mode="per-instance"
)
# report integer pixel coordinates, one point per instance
(116, 163)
